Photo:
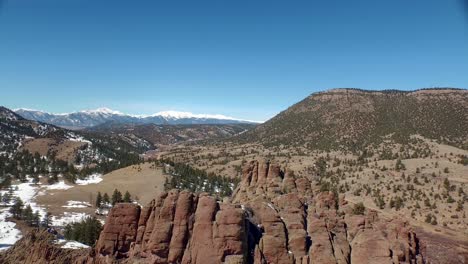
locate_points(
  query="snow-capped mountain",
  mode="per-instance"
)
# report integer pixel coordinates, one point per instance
(90, 118)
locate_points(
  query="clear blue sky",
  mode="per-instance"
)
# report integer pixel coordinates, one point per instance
(247, 59)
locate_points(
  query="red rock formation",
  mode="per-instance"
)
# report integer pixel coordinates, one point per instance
(274, 218)
(119, 231)
(299, 228)
(178, 227)
(280, 222)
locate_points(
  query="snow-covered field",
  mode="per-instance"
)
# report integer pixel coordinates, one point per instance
(8, 233)
(27, 192)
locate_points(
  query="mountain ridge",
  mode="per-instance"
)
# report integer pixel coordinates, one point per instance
(353, 118)
(90, 118)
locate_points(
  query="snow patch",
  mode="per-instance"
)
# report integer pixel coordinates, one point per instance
(271, 206)
(61, 185)
(102, 110)
(77, 204)
(76, 138)
(92, 179)
(8, 233)
(68, 218)
(71, 244)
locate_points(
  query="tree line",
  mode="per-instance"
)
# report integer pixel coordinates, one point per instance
(183, 176)
(117, 197)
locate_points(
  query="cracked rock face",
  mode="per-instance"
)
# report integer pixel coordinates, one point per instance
(178, 227)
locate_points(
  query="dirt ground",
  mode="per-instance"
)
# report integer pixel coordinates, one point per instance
(144, 182)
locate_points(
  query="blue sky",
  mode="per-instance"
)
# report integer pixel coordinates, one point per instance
(247, 59)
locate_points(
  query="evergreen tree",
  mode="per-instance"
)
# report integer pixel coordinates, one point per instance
(86, 232)
(17, 209)
(47, 220)
(6, 198)
(105, 199)
(36, 219)
(98, 200)
(28, 215)
(127, 198)
(116, 197)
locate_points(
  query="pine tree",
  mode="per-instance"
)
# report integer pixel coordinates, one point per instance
(47, 220)
(6, 198)
(28, 214)
(17, 209)
(98, 200)
(127, 198)
(105, 199)
(116, 197)
(87, 231)
(36, 219)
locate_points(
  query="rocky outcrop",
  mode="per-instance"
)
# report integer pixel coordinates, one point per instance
(178, 227)
(297, 227)
(262, 179)
(119, 231)
(272, 218)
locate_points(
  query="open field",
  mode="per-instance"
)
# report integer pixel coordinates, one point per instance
(144, 182)
(66, 149)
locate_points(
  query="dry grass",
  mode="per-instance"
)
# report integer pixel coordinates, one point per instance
(66, 149)
(225, 160)
(144, 182)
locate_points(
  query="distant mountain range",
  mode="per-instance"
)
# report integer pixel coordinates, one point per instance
(90, 118)
(19, 133)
